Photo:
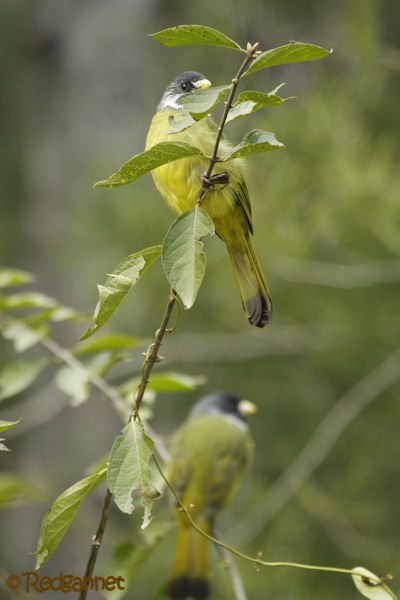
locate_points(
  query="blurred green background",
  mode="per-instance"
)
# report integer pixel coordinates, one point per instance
(79, 84)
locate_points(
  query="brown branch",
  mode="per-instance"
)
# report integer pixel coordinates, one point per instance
(96, 542)
(251, 54)
(151, 358)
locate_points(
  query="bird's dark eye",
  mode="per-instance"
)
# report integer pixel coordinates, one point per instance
(184, 86)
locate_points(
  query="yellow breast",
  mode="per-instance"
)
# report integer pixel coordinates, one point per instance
(179, 182)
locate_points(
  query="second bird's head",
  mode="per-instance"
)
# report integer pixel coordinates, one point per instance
(185, 83)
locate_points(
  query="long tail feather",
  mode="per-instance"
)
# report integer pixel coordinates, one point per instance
(189, 577)
(252, 285)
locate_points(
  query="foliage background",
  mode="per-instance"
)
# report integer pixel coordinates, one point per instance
(80, 82)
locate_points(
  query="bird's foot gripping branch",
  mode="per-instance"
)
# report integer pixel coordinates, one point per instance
(184, 140)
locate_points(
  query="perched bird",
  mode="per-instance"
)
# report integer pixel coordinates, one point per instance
(179, 182)
(209, 455)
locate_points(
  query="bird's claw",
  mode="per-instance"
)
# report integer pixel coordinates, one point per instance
(217, 179)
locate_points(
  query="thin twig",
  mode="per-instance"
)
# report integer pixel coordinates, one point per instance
(255, 560)
(251, 54)
(151, 356)
(103, 386)
(332, 426)
(234, 574)
(96, 542)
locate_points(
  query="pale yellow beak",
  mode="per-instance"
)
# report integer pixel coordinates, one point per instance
(202, 84)
(247, 408)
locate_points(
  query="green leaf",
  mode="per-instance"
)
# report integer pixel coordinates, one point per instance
(15, 491)
(142, 163)
(3, 447)
(111, 342)
(253, 142)
(200, 102)
(175, 382)
(27, 300)
(163, 382)
(129, 474)
(370, 585)
(4, 425)
(11, 277)
(249, 102)
(65, 313)
(22, 335)
(290, 53)
(76, 382)
(18, 375)
(196, 105)
(180, 121)
(118, 284)
(60, 516)
(188, 35)
(182, 253)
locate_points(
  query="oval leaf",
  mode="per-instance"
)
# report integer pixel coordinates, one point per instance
(165, 382)
(175, 382)
(200, 102)
(194, 35)
(249, 102)
(142, 163)
(370, 585)
(10, 277)
(180, 121)
(60, 516)
(23, 335)
(182, 253)
(75, 381)
(112, 342)
(18, 375)
(4, 425)
(118, 284)
(253, 142)
(129, 475)
(27, 300)
(290, 53)
(15, 491)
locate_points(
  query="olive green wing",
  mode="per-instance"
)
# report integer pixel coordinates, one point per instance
(180, 468)
(228, 470)
(235, 169)
(242, 195)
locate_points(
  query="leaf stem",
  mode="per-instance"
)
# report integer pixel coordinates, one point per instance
(255, 560)
(251, 54)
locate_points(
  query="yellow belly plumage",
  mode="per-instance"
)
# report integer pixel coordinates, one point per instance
(179, 183)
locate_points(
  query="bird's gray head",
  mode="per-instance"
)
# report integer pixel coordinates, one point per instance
(185, 83)
(224, 404)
